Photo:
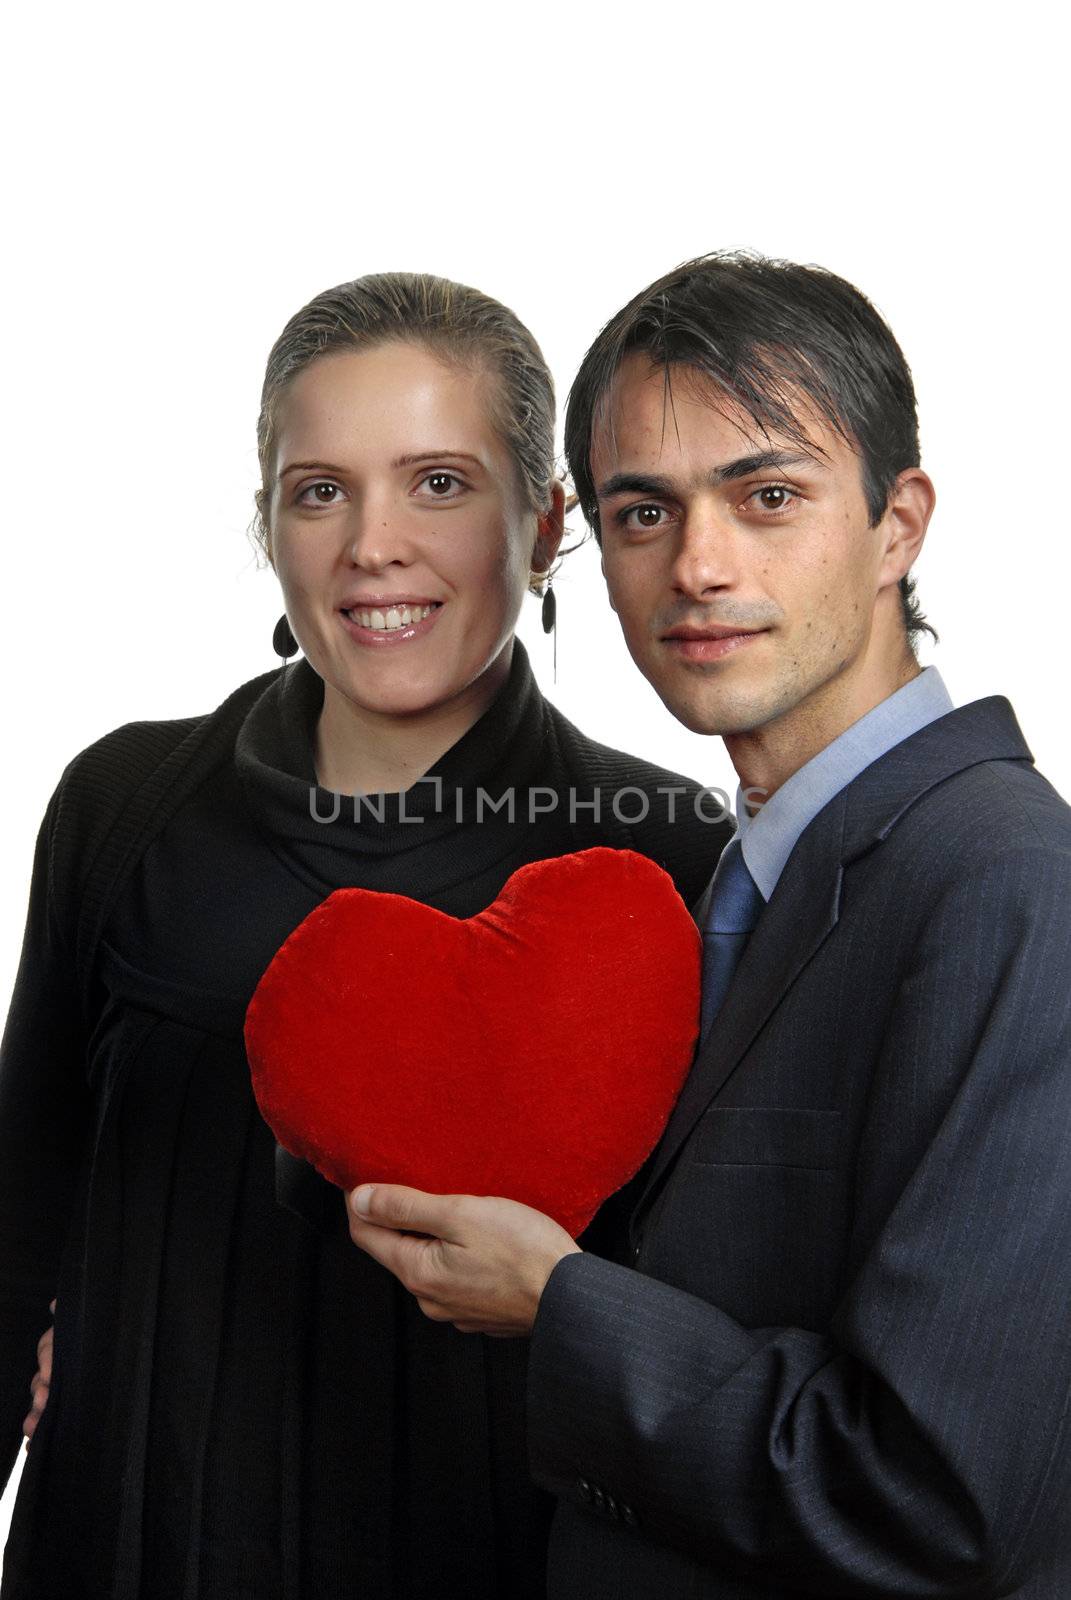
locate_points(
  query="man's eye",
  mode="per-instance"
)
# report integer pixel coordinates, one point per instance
(441, 483)
(638, 517)
(773, 496)
(322, 494)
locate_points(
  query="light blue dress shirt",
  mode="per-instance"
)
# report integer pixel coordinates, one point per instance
(768, 838)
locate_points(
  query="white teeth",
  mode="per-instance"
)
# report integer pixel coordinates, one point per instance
(395, 617)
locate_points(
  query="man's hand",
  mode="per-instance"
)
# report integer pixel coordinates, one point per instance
(40, 1381)
(478, 1262)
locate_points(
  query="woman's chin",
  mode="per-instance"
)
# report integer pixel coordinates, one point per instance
(391, 689)
(402, 698)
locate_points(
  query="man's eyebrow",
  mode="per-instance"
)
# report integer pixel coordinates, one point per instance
(744, 466)
(665, 488)
(634, 483)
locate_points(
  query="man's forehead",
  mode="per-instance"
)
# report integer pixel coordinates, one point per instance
(653, 411)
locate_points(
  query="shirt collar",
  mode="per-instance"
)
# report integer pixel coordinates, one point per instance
(768, 838)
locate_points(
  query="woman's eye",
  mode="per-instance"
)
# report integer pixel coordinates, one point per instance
(441, 484)
(319, 494)
(773, 496)
(640, 517)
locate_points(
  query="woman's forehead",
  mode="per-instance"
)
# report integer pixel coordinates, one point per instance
(387, 401)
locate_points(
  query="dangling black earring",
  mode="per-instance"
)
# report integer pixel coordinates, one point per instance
(550, 608)
(282, 640)
(549, 615)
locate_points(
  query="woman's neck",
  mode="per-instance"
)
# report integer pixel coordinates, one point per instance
(358, 751)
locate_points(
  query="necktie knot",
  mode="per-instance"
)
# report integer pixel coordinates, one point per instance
(735, 897)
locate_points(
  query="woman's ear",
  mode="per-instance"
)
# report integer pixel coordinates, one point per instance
(263, 525)
(551, 528)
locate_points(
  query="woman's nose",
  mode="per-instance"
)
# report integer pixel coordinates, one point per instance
(376, 537)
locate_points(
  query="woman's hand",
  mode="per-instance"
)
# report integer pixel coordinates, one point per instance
(40, 1381)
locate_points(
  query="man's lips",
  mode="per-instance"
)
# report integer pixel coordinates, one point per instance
(710, 643)
(711, 630)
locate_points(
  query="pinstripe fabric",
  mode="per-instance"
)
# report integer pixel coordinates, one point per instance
(843, 1368)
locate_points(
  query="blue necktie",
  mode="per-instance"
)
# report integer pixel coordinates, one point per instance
(735, 903)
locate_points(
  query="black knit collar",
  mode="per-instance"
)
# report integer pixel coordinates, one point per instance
(274, 756)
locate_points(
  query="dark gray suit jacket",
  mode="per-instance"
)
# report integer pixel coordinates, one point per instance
(843, 1365)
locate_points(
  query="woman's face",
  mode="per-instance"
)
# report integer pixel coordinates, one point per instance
(399, 530)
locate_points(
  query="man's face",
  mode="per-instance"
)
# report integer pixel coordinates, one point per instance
(743, 569)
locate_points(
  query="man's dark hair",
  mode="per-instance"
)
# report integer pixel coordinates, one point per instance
(765, 332)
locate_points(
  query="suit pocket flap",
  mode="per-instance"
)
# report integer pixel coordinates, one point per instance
(777, 1136)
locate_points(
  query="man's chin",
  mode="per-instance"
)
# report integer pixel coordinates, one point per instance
(721, 715)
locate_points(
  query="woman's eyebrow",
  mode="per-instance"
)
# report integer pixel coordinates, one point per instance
(435, 455)
(311, 466)
(399, 461)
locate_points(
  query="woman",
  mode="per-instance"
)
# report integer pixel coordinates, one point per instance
(243, 1404)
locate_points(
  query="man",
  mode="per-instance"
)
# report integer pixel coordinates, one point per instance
(839, 1362)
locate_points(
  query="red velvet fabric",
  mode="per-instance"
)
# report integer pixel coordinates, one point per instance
(533, 1051)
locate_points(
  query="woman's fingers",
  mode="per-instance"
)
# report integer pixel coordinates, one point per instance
(39, 1390)
(39, 1383)
(44, 1356)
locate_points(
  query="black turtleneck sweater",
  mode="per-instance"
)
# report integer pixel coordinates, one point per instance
(244, 1405)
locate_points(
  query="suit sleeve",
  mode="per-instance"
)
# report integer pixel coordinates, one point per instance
(44, 1109)
(919, 1446)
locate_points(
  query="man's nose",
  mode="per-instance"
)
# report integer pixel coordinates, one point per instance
(708, 552)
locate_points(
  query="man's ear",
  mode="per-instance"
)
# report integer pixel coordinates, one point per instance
(907, 516)
(551, 529)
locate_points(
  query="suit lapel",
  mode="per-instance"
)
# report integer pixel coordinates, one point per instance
(791, 928)
(806, 902)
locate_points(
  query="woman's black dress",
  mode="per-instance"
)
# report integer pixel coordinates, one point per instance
(244, 1404)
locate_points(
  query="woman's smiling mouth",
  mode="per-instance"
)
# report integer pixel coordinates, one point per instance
(390, 622)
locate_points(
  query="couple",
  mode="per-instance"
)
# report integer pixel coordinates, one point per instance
(824, 1351)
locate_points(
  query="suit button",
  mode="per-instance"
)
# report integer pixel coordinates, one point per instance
(629, 1517)
(613, 1508)
(634, 1252)
(598, 1499)
(585, 1489)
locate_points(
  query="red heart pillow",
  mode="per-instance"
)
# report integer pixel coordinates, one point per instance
(532, 1051)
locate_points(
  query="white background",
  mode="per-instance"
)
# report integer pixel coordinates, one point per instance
(184, 180)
